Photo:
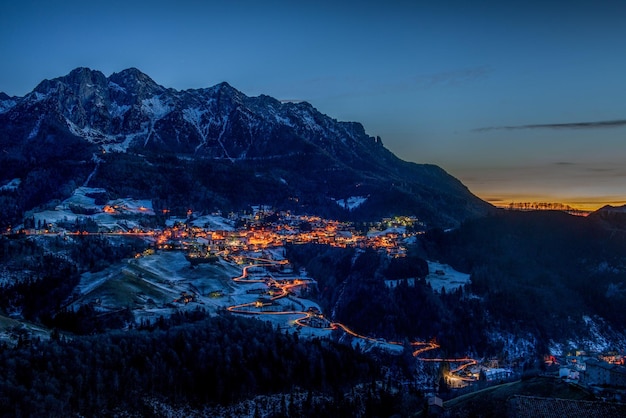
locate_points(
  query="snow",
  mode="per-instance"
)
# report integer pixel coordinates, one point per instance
(6, 105)
(399, 230)
(351, 203)
(194, 117)
(107, 221)
(11, 186)
(214, 222)
(310, 122)
(394, 283)
(156, 110)
(35, 130)
(597, 341)
(37, 97)
(219, 138)
(79, 197)
(444, 276)
(90, 134)
(123, 146)
(282, 120)
(117, 110)
(515, 346)
(154, 107)
(116, 87)
(132, 206)
(557, 349)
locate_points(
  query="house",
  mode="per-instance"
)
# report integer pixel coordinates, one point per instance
(601, 373)
(435, 406)
(568, 373)
(532, 406)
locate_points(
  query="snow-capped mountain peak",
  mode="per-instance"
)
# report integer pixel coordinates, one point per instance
(85, 112)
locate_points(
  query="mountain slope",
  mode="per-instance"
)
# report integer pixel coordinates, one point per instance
(209, 148)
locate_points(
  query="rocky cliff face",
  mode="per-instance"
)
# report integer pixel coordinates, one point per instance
(84, 115)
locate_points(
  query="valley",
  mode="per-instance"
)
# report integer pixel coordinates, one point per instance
(201, 252)
(207, 263)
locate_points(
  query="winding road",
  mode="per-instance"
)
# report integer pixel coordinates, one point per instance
(285, 288)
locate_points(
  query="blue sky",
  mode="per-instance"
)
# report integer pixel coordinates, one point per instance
(503, 95)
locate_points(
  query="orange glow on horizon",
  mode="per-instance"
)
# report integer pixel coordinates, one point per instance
(586, 204)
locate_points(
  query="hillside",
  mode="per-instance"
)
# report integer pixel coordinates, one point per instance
(549, 274)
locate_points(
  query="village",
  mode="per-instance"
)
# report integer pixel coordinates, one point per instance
(257, 233)
(254, 241)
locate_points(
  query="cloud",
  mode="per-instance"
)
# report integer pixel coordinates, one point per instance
(453, 78)
(355, 85)
(575, 125)
(601, 169)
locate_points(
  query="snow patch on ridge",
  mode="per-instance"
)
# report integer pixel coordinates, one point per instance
(282, 120)
(6, 105)
(11, 186)
(155, 107)
(193, 116)
(597, 341)
(35, 130)
(116, 110)
(116, 87)
(351, 203)
(37, 97)
(156, 110)
(90, 134)
(310, 122)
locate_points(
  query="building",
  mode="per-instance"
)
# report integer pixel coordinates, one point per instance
(601, 373)
(532, 406)
(435, 406)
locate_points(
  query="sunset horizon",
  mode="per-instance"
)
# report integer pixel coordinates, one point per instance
(581, 204)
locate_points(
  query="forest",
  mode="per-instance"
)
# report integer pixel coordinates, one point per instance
(532, 273)
(203, 361)
(105, 365)
(541, 271)
(351, 286)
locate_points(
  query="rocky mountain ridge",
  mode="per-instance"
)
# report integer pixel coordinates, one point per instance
(288, 152)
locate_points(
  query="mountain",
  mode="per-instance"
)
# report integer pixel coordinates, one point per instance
(610, 217)
(206, 149)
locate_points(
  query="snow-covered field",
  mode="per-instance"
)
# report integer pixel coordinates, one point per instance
(153, 285)
(113, 216)
(444, 276)
(352, 202)
(212, 222)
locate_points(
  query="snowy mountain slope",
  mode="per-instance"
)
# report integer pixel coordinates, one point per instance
(289, 149)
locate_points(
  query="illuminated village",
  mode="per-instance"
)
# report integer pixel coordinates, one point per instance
(257, 234)
(270, 287)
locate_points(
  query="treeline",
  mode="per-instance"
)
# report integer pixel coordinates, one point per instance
(40, 279)
(540, 272)
(40, 295)
(46, 170)
(221, 360)
(353, 289)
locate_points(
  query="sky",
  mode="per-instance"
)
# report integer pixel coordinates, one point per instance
(523, 101)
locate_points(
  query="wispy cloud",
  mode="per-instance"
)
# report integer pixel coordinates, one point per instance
(357, 86)
(574, 125)
(453, 78)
